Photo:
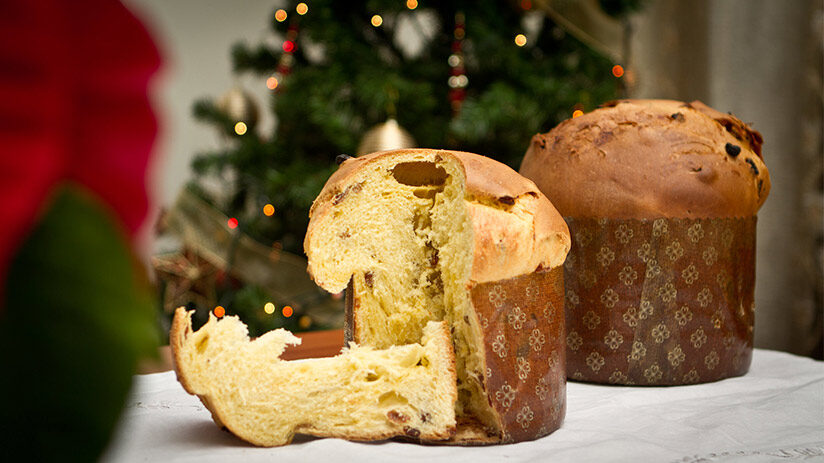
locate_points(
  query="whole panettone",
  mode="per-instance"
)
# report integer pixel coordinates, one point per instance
(661, 198)
(420, 235)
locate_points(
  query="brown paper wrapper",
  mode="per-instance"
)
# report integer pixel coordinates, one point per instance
(523, 325)
(522, 321)
(660, 302)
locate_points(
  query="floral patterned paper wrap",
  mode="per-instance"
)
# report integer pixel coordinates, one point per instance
(659, 302)
(522, 319)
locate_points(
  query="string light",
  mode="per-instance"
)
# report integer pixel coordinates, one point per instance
(457, 80)
(287, 311)
(240, 128)
(285, 63)
(280, 15)
(526, 5)
(618, 70)
(268, 210)
(272, 83)
(411, 4)
(269, 308)
(577, 113)
(377, 20)
(232, 223)
(305, 322)
(302, 8)
(520, 40)
(219, 311)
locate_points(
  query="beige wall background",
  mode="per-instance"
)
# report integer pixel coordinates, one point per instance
(760, 59)
(195, 38)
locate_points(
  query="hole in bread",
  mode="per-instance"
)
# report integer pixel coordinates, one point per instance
(426, 193)
(392, 399)
(419, 173)
(201, 344)
(372, 376)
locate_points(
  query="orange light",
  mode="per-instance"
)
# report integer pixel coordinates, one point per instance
(617, 70)
(377, 20)
(520, 40)
(302, 8)
(268, 210)
(220, 311)
(272, 83)
(411, 4)
(240, 128)
(577, 113)
(232, 223)
(287, 311)
(280, 15)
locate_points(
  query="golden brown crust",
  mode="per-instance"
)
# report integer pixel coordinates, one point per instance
(181, 329)
(504, 248)
(650, 158)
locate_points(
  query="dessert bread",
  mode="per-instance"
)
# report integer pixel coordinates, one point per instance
(420, 235)
(660, 197)
(362, 394)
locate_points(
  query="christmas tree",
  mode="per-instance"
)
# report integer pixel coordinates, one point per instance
(474, 76)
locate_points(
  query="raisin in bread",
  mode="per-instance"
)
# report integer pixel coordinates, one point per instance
(421, 235)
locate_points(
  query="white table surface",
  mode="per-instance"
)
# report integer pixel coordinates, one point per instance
(774, 413)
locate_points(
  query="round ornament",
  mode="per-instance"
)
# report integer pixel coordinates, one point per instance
(240, 107)
(386, 136)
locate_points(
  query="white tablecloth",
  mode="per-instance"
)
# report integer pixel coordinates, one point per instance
(774, 413)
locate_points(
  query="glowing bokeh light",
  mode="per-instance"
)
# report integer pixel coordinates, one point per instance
(287, 311)
(280, 15)
(526, 4)
(232, 223)
(219, 311)
(377, 20)
(618, 70)
(240, 128)
(520, 40)
(269, 308)
(577, 113)
(272, 83)
(305, 322)
(302, 8)
(411, 4)
(269, 210)
(288, 46)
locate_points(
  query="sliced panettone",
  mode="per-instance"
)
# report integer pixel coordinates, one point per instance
(427, 235)
(362, 394)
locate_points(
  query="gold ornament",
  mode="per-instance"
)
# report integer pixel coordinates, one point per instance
(386, 136)
(240, 107)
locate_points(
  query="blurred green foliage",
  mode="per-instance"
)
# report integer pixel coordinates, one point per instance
(78, 315)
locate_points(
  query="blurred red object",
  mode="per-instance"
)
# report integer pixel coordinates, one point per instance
(73, 108)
